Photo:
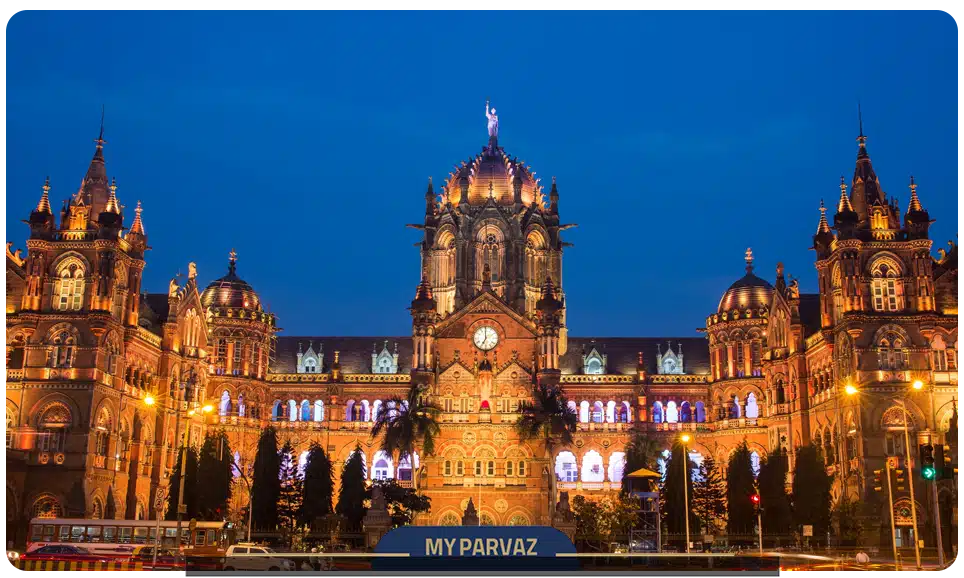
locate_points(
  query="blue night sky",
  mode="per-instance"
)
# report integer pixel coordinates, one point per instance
(305, 142)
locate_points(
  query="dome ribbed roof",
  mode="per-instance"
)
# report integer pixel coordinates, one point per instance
(494, 172)
(231, 291)
(748, 292)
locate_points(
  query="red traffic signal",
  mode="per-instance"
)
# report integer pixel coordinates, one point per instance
(755, 498)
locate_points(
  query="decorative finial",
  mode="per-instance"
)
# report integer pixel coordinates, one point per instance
(44, 205)
(100, 138)
(232, 260)
(914, 204)
(860, 119)
(749, 260)
(112, 205)
(823, 226)
(844, 204)
(137, 227)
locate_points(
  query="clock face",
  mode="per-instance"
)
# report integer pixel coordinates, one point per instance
(485, 338)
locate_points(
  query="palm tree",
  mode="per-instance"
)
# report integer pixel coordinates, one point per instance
(406, 423)
(642, 451)
(548, 418)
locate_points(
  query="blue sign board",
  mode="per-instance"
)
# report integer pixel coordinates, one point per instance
(453, 548)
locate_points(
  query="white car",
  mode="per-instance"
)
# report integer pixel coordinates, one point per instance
(254, 557)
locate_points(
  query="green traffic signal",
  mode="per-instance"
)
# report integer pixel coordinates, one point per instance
(928, 472)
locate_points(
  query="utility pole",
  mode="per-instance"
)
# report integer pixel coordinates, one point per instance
(913, 503)
(937, 518)
(890, 501)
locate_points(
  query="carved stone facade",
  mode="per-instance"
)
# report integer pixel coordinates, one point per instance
(85, 347)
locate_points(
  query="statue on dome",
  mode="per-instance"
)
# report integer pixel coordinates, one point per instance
(493, 121)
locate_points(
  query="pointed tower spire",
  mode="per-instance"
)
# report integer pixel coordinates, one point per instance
(94, 188)
(112, 205)
(233, 262)
(44, 205)
(748, 257)
(553, 197)
(823, 226)
(137, 227)
(423, 297)
(430, 198)
(866, 190)
(914, 204)
(844, 204)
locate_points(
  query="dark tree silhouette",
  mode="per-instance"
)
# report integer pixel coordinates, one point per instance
(777, 516)
(318, 486)
(740, 485)
(641, 452)
(190, 487)
(673, 504)
(266, 486)
(214, 477)
(351, 498)
(811, 491)
(290, 490)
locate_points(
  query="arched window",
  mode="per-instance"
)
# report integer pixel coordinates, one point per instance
(102, 431)
(594, 366)
(16, 356)
(277, 411)
(657, 412)
(617, 465)
(319, 410)
(376, 409)
(939, 353)
(584, 411)
(700, 412)
(752, 411)
(518, 520)
(292, 410)
(522, 469)
(311, 365)
(566, 470)
(46, 506)
(241, 407)
(885, 286)
(405, 467)
(69, 287)
(892, 351)
(509, 468)
(756, 357)
(112, 357)
(836, 286)
(450, 519)
(224, 408)
(597, 412)
(592, 467)
(685, 412)
(672, 414)
(382, 466)
(735, 411)
(63, 343)
(623, 412)
(52, 427)
(489, 251)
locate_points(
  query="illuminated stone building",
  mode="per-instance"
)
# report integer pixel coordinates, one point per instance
(86, 345)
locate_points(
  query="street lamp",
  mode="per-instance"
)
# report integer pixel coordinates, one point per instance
(685, 438)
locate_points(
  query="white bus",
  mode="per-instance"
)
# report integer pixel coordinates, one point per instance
(117, 538)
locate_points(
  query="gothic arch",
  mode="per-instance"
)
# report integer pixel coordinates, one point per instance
(67, 259)
(891, 260)
(48, 402)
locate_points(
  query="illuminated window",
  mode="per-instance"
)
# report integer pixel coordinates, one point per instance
(478, 468)
(939, 352)
(69, 287)
(508, 468)
(884, 287)
(522, 469)
(891, 352)
(490, 470)
(460, 468)
(448, 468)
(62, 350)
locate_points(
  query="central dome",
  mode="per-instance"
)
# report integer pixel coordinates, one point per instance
(748, 292)
(493, 173)
(231, 291)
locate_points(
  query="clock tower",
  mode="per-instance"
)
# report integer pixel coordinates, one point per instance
(489, 324)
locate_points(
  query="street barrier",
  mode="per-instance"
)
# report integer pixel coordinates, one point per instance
(48, 565)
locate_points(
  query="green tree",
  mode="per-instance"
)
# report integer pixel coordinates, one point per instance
(190, 486)
(214, 477)
(641, 452)
(266, 486)
(403, 503)
(811, 491)
(290, 490)
(351, 498)
(679, 469)
(777, 516)
(846, 515)
(587, 514)
(406, 423)
(318, 486)
(549, 419)
(709, 496)
(740, 485)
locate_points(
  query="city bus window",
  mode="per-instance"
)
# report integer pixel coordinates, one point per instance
(140, 535)
(211, 534)
(125, 535)
(64, 534)
(36, 531)
(49, 533)
(152, 536)
(93, 533)
(77, 534)
(186, 537)
(110, 534)
(199, 538)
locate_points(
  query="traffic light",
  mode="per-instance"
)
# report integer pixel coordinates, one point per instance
(946, 464)
(899, 475)
(878, 480)
(927, 469)
(755, 500)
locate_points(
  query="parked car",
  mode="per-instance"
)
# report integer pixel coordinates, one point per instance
(64, 553)
(167, 558)
(246, 556)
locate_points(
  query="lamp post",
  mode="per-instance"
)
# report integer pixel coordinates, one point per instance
(686, 494)
(913, 504)
(180, 490)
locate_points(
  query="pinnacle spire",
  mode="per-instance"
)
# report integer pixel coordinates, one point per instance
(914, 204)
(232, 262)
(112, 205)
(823, 226)
(844, 204)
(137, 227)
(748, 257)
(44, 205)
